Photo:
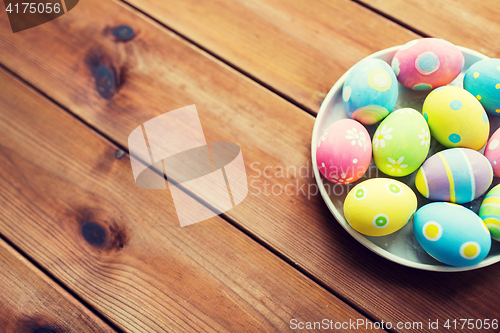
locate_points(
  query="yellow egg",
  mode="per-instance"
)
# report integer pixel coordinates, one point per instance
(379, 206)
(456, 118)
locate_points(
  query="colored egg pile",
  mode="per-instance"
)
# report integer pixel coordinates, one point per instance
(456, 118)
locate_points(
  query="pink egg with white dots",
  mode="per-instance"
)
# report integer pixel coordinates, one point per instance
(344, 151)
(492, 152)
(427, 63)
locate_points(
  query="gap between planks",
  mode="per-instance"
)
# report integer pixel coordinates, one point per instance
(391, 18)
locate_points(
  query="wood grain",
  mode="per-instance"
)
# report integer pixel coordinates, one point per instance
(159, 72)
(469, 23)
(70, 202)
(296, 47)
(31, 302)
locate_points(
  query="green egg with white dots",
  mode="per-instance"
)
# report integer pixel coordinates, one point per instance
(379, 206)
(401, 142)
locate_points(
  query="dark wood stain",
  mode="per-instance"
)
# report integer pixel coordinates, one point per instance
(44, 330)
(119, 153)
(38, 325)
(108, 79)
(123, 33)
(101, 231)
(93, 233)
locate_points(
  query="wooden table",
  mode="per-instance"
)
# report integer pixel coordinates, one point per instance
(257, 70)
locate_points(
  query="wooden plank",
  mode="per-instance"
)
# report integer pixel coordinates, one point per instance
(298, 48)
(70, 202)
(161, 72)
(31, 302)
(469, 23)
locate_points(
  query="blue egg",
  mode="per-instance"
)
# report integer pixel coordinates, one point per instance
(483, 81)
(452, 234)
(370, 91)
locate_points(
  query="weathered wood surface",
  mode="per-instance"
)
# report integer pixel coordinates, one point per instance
(70, 202)
(31, 302)
(470, 23)
(160, 72)
(299, 48)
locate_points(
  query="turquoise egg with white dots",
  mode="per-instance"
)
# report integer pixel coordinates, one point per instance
(379, 206)
(456, 118)
(482, 80)
(452, 234)
(370, 91)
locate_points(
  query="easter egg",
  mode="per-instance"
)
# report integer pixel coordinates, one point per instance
(457, 175)
(456, 118)
(344, 151)
(379, 206)
(401, 142)
(452, 234)
(492, 152)
(490, 212)
(483, 81)
(370, 91)
(427, 63)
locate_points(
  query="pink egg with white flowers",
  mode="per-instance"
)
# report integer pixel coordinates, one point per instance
(427, 63)
(344, 151)
(492, 152)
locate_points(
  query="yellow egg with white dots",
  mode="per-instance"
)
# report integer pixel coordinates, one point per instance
(379, 206)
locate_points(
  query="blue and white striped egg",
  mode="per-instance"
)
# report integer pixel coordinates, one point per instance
(370, 91)
(482, 80)
(456, 175)
(452, 234)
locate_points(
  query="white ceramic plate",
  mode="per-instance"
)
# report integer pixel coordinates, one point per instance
(401, 246)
